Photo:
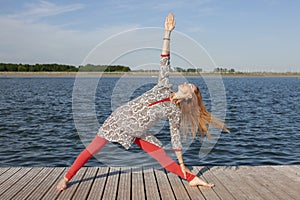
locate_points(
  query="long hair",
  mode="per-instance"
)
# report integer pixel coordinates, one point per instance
(195, 117)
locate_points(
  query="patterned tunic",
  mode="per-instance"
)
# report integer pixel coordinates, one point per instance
(133, 119)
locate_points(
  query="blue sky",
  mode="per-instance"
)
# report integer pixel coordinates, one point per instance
(256, 35)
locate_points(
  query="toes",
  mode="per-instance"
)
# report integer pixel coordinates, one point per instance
(210, 185)
(61, 188)
(205, 185)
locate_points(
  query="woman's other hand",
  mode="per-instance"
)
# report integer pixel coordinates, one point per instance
(184, 170)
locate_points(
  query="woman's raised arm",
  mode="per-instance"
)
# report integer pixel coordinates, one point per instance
(169, 26)
(165, 54)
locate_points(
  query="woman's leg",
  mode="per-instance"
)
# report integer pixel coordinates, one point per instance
(161, 156)
(93, 148)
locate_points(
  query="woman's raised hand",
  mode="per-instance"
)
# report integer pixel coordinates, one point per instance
(170, 22)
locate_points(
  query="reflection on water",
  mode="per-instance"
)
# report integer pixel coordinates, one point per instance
(37, 126)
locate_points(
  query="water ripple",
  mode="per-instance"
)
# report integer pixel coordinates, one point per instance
(37, 126)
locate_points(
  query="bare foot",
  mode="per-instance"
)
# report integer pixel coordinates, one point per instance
(198, 182)
(63, 184)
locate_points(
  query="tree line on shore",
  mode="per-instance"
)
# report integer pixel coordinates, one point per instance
(11, 67)
(216, 70)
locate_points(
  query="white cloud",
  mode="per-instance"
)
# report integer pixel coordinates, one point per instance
(43, 43)
(34, 11)
(26, 39)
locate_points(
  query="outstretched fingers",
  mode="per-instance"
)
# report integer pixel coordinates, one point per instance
(170, 22)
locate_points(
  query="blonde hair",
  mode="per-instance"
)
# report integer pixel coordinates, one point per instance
(195, 117)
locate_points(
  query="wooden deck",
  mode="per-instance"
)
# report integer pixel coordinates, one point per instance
(245, 182)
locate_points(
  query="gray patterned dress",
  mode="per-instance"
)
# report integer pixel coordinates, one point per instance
(133, 119)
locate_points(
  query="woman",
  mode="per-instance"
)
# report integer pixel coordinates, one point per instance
(129, 123)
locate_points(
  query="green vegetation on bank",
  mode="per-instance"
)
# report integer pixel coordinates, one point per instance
(179, 69)
(11, 67)
(103, 68)
(112, 69)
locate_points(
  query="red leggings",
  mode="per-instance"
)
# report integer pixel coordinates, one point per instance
(156, 152)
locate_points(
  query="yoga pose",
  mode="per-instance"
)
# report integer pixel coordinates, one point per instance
(129, 123)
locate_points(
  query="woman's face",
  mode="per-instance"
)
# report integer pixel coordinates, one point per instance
(185, 91)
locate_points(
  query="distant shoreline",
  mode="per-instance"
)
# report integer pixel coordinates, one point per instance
(155, 74)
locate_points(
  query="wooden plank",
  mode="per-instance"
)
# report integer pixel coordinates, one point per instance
(260, 176)
(245, 182)
(164, 187)
(124, 187)
(72, 187)
(138, 188)
(3, 170)
(10, 172)
(111, 186)
(279, 182)
(52, 192)
(252, 179)
(220, 189)
(208, 193)
(242, 185)
(20, 183)
(289, 172)
(32, 185)
(86, 183)
(98, 186)
(231, 185)
(151, 186)
(193, 192)
(177, 186)
(47, 183)
(295, 168)
(9, 183)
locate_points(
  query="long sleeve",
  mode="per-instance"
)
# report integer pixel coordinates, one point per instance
(174, 121)
(163, 79)
(165, 60)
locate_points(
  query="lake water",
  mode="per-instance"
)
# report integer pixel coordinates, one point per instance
(37, 126)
